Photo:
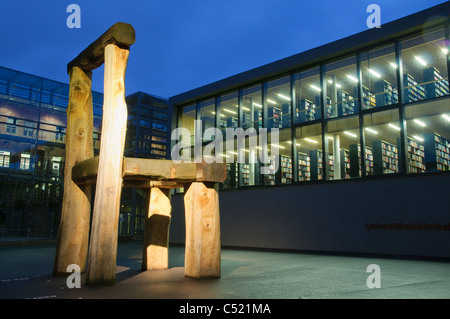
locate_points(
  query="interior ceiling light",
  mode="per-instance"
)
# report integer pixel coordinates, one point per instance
(445, 50)
(232, 152)
(257, 105)
(311, 141)
(371, 130)
(445, 116)
(271, 101)
(351, 77)
(245, 108)
(350, 134)
(229, 111)
(418, 138)
(421, 61)
(315, 87)
(375, 73)
(276, 145)
(420, 123)
(394, 126)
(394, 65)
(284, 97)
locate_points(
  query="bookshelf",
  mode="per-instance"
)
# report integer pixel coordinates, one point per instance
(416, 156)
(285, 169)
(437, 152)
(345, 103)
(245, 174)
(345, 163)
(304, 167)
(330, 107)
(274, 115)
(306, 111)
(435, 85)
(368, 98)
(413, 91)
(316, 164)
(355, 160)
(385, 93)
(385, 158)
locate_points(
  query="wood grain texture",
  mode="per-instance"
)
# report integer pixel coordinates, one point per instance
(155, 254)
(203, 246)
(120, 34)
(102, 260)
(73, 232)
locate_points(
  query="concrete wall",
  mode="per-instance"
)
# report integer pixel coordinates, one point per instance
(337, 216)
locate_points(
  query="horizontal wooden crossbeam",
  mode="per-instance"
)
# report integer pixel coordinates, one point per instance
(147, 173)
(120, 34)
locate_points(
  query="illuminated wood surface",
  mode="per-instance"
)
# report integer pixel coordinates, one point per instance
(101, 267)
(73, 232)
(203, 250)
(155, 254)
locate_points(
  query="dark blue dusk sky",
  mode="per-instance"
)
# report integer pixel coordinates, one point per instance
(181, 45)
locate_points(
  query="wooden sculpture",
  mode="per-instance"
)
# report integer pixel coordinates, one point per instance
(110, 171)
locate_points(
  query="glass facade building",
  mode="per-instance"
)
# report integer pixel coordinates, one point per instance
(33, 122)
(364, 106)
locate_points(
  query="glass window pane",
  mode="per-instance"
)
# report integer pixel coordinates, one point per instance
(424, 61)
(342, 136)
(379, 80)
(342, 88)
(382, 141)
(228, 111)
(280, 159)
(251, 105)
(428, 128)
(278, 101)
(308, 145)
(307, 105)
(207, 111)
(187, 120)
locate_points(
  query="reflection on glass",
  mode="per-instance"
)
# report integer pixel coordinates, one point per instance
(428, 137)
(279, 159)
(278, 101)
(425, 73)
(342, 141)
(307, 88)
(187, 121)
(228, 111)
(382, 142)
(342, 88)
(308, 146)
(379, 80)
(251, 105)
(207, 111)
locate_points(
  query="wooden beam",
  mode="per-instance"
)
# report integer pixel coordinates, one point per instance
(155, 254)
(203, 250)
(156, 169)
(102, 260)
(73, 231)
(143, 169)
(120, 34)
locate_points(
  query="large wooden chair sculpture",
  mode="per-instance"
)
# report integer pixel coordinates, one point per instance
(110, 171)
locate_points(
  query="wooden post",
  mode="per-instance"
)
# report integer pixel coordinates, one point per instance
(203, 251)
(156, 236)
(101, 269)
(73, 232)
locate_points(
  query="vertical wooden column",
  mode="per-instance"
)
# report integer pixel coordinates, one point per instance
(203, 250)
(156, 237)
(73, 232)
(101, 269)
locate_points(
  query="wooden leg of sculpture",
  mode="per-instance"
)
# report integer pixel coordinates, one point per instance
(101, 268)
(202, 252)
(156, 237)
(73, 232)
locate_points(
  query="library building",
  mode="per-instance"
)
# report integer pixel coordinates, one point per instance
(363, 145)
